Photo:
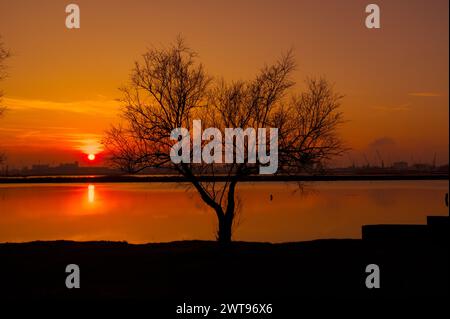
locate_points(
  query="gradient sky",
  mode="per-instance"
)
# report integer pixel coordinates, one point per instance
(63, 83)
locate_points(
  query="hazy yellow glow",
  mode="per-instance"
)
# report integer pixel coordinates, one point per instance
(91, 147)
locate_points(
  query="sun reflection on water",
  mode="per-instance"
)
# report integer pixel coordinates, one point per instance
(91, 193)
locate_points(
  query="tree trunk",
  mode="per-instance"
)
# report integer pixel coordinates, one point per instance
(226, 220)
(225, 229)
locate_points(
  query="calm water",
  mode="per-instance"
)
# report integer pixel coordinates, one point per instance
(138, 212)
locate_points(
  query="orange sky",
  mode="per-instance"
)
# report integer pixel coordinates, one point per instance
(62, 85)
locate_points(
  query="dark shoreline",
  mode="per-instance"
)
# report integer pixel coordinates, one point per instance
(207, 272)
(178, 179)
(413, 261)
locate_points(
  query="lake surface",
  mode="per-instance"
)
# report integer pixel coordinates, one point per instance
(161, 212)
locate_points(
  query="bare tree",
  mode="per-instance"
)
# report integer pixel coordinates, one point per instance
(4, 54)
(169, 89)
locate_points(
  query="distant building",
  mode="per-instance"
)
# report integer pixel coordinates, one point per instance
(73, 165)
(443, 169)
(422, 167)
(65, 169)
(40, 167)
(400, 165)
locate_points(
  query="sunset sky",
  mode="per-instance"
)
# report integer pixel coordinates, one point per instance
(63, 83)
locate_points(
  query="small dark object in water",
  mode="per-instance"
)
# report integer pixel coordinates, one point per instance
(271, 197)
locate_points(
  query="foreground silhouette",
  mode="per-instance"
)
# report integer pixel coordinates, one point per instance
(413, 265)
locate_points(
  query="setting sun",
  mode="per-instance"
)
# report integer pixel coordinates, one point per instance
(91, 157)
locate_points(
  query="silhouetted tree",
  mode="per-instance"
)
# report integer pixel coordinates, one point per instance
(169, 89)
(4, 54)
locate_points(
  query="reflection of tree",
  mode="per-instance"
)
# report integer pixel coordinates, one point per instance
(169, 89)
